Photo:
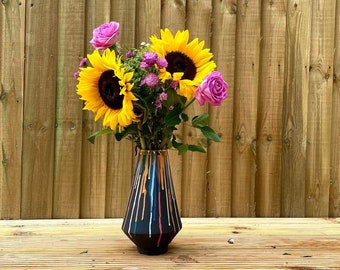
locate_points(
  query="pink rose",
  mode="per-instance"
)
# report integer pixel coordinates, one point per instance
(105, 35)
(213, 89)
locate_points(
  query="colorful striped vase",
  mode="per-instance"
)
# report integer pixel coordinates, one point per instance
(152, 219)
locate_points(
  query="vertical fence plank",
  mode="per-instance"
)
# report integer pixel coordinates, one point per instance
(39, 109)
(12, 28)
(334, 204)
(245, 111)
(268, 145)
(195, 164)
(320, 109)
(221, 118)
(67, 170)
(120, 154)
(94, 156)
(173, 14)
(294, 132)
(148, 19)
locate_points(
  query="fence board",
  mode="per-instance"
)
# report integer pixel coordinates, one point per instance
(67, 170)
(173, 14)
(12, 27)
(94, 157)
(320, 109)
(221, 118)
(334, 204)
(268, 144)
(195, 164)
(294, 131)
(120, 154)
(245, 111)
(39, 109)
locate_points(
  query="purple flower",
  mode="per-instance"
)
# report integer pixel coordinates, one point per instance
(171, 107)
(163, 96)
(76, 74)
(174, 84)
(213, 89)
(129, 54)
(143, 65)
(158, 103)
(150, 58)
(105, 35)
(150, 80)
(162, 63)
(83, 62)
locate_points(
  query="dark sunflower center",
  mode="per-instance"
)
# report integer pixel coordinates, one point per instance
(179, 62)
(109, 90)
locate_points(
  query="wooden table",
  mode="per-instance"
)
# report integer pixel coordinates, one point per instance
(203, 243)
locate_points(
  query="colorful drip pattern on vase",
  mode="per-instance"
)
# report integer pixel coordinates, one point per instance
(152, 209)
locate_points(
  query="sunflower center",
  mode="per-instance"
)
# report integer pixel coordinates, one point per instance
(179, 62)
(109, 90)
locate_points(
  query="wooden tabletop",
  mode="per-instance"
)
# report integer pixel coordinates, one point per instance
(203, 243)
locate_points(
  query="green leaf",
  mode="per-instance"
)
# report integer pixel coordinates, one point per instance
(200, 120)
(196, 148)
(184, 117)
(93, 136)
(172, 118)
(210, 134)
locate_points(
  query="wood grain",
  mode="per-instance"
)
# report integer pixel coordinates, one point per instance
(208, 243)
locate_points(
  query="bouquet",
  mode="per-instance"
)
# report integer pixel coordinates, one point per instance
(142, 93)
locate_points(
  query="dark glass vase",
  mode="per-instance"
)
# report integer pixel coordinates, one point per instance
(152, 219)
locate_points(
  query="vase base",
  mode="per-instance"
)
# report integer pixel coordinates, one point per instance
(153, 251)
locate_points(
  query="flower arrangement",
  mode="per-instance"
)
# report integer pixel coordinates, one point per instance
(142, 93)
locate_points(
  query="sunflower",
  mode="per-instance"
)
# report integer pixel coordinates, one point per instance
(106, 90)
(188, 63)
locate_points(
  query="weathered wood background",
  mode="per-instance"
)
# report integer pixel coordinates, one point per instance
(280, 154)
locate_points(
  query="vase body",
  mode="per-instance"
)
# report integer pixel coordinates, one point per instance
(152, 218)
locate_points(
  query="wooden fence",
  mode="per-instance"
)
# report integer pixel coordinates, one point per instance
(280, 125)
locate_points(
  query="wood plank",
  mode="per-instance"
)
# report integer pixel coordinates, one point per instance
(173, 14)
(271, 82)
(39, 109)
(295, 109)
(320, 109)
(221, 117)
(148, 20)
(12, 43)
(263, 243)
(120, 154)
(94, 156)
(195, 164)
(334, 196)
(67, 169)
(247, 67)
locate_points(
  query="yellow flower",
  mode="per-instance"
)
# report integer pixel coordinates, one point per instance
(106, 90)
(188, 63)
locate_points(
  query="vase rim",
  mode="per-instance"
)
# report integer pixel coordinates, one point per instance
(152, 152)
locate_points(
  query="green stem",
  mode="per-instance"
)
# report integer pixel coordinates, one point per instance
(189, 103)
(142, 140)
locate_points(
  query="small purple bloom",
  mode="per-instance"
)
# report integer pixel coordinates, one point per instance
(129, 54)
(162, 63)
(150, 58)
(174, 84)
(76, 74)
(158, 103)
(143, 65)
(163, 96)
(171, 107)
(83, 62)
(150, 80)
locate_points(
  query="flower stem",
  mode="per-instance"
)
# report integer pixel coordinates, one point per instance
(189, 103)
(140, 134)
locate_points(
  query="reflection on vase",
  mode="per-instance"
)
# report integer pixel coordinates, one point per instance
(152, 218)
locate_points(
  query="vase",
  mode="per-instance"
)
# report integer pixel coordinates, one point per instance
(152, 219)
